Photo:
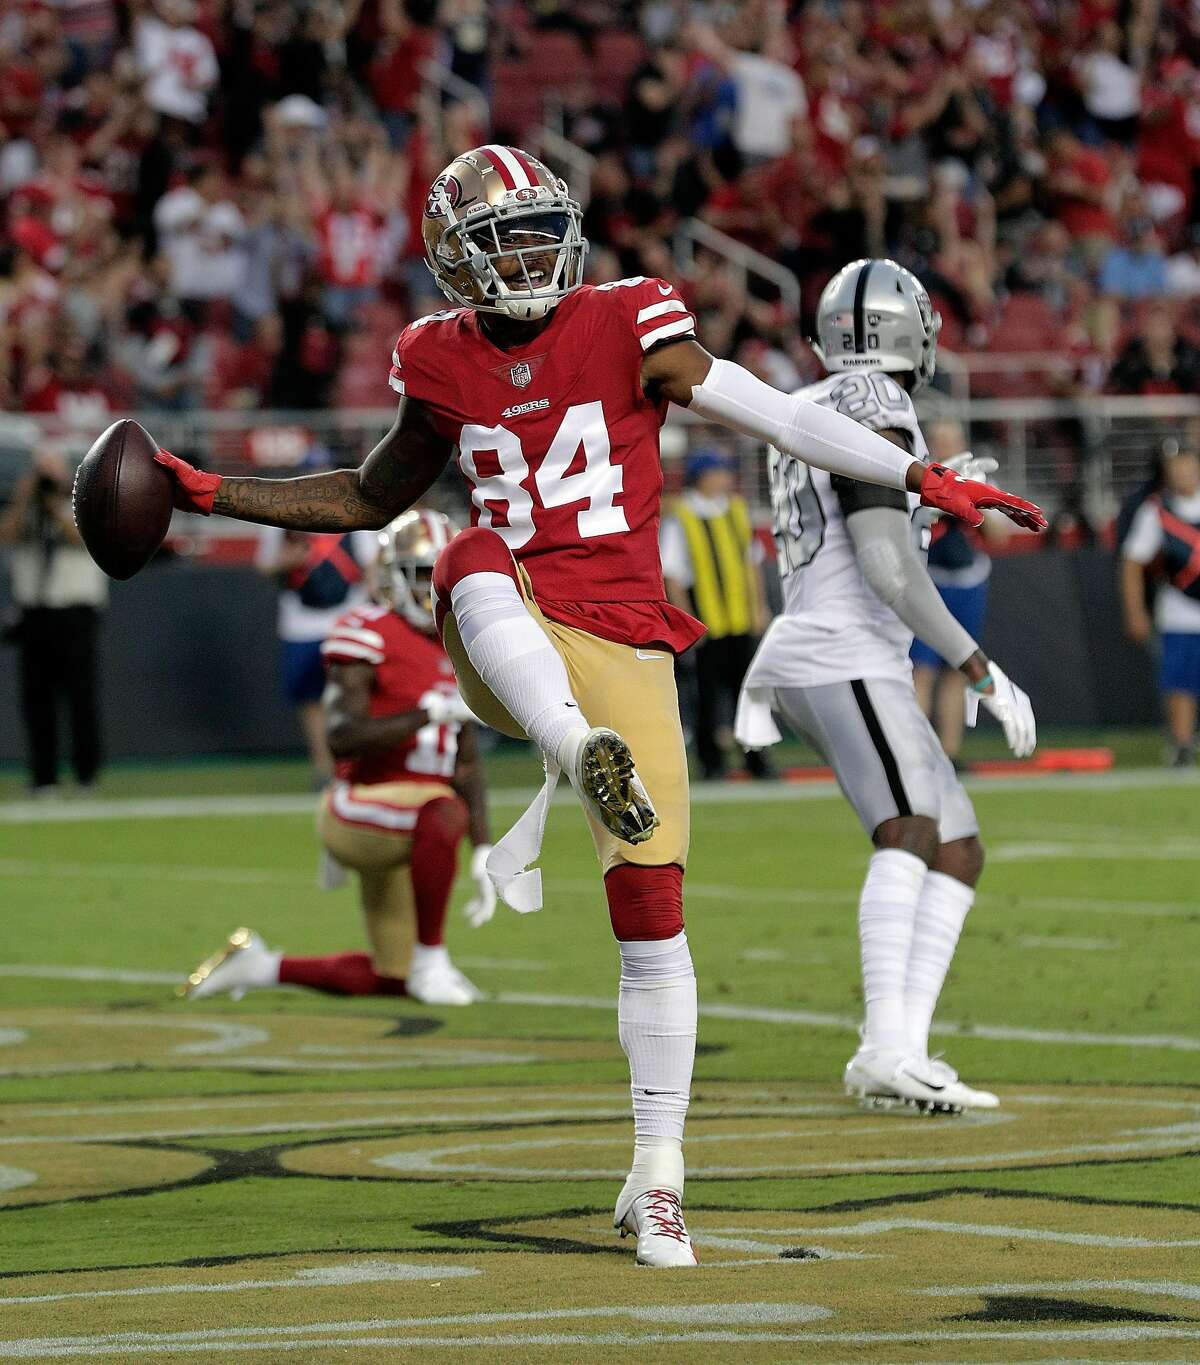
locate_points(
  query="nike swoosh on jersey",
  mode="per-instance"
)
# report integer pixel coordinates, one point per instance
(641, 654)
(666, 289)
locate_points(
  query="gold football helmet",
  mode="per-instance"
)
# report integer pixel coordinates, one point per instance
(408, 548)
(502, 233)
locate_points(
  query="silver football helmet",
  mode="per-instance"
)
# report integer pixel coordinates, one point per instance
(875, 315)
(408, 549)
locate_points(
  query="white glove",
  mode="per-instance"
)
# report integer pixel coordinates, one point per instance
(1011, 707)
(969, 466)
(445, 708)
(482, 906)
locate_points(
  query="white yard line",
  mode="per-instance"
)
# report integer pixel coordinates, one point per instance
(762, 1014)
(316, 1277)
(710, 794)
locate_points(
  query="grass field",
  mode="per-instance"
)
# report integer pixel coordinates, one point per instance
(306, 1179)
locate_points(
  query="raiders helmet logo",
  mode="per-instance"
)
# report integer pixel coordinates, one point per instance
(521, 375)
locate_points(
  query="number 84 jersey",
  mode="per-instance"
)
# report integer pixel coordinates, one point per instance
(833, 627)
(559, 446)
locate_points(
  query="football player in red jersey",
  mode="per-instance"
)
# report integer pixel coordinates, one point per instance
(551, 605)
(408, 786)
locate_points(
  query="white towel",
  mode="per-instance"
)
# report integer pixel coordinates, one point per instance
(754, 726)
(508, 865)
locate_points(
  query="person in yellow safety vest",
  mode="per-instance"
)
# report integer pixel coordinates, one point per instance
(710, 565)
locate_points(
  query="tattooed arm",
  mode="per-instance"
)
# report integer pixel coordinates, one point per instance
(394, 475)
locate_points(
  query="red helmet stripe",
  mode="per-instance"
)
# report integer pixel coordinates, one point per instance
(500, 159)
(525, 163)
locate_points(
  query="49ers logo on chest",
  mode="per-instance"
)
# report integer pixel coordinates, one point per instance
(521, 374)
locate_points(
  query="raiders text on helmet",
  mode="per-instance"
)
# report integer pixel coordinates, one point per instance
(502, 233)
(408, 548)
(875, 315)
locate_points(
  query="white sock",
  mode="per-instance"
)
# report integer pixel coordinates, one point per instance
(514, 656)
(886, 912)
(426, 955)
(941, 911)
(656, 1018)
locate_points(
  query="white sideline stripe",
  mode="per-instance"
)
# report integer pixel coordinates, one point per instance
(1075, 945)
(1008, 852)
(712, 794)
(1167, 1288)
(763, 1014)
(656, 310)
(220, 1341)
(874, 1227)
(316, 1277)
(670, 329)
(256, 876)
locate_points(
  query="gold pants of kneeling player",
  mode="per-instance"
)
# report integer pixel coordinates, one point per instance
(630, 690)
(381, 860)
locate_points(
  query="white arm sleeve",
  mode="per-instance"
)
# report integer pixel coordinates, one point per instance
(891, 565)
(733, 397)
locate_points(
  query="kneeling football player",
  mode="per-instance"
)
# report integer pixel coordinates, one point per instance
(835, 664)
(408, 786)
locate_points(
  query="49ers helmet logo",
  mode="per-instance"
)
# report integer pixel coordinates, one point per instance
(445, 193)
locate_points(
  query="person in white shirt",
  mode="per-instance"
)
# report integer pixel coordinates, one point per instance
(199, 233)
(835, 666)
(1166, 530)
(770, 95)
(177, 62)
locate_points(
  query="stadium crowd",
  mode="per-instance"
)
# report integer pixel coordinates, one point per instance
(216, 203)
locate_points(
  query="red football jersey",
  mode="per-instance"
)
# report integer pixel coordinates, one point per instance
(559, 445)
(406, 664)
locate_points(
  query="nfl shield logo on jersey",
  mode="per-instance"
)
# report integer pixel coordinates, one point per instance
(521, 375)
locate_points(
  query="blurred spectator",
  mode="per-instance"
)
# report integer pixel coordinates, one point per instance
(1078, 178)
(199, 231)
(58, 593)
(960, 567)
(176, 60)
(1138, 269)
(769, 95)
(1157, 359)
(165, 356)
(711, 569)
(1111, 89)
(1166, 530)
(1183, 269)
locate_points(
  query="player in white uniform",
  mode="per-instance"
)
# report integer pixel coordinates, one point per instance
(835, 666)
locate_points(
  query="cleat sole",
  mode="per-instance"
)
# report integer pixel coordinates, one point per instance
(239, 939)
(610, 781)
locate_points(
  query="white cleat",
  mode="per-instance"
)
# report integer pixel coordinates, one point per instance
(604, 775)
(963, 1096)
(884, 1078)
(655, 1218)
(434, 980)
(245, 962)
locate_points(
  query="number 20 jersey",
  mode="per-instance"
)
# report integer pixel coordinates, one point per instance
(559, 446)
(833, 627)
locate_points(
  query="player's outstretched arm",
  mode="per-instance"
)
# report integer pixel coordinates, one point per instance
(728, 394)
(390, 480)
(898, 576)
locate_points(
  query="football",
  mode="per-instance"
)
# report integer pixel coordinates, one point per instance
(122, 500)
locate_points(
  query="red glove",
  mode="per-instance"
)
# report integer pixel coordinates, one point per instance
(968, 500)
(194, 489)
